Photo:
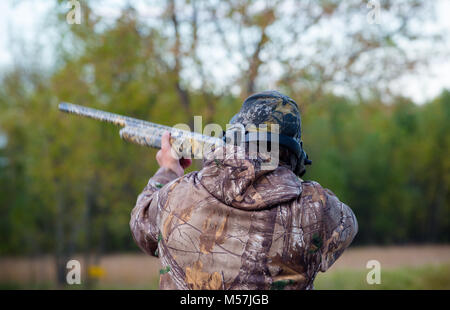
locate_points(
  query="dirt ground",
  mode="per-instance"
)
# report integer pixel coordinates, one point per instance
(139, 269)
(394, 256)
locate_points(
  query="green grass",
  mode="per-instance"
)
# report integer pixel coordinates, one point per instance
(21, 286)
(406, 278)
(153, 284)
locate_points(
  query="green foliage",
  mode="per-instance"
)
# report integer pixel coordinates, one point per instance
(389, 163)
(281, 284)
(317, 243)
(164, 270)
(68, 184)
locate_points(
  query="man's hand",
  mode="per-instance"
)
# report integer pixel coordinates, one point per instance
(166, 160)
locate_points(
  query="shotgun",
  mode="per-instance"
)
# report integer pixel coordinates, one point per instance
(186, 144)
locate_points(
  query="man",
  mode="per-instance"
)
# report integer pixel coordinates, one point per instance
(234, 225)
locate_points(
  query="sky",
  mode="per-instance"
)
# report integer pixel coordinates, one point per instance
(23, 20)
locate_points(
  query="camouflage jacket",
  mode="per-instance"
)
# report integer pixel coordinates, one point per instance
(232, 225)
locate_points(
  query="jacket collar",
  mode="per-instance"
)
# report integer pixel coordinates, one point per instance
(243, 184)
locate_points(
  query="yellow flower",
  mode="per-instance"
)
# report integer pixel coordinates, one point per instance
(96, 271)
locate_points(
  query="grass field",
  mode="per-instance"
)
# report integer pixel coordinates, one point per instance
(411, 267)
(429, 277)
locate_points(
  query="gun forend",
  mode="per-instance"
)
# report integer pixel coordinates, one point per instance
(185, 144)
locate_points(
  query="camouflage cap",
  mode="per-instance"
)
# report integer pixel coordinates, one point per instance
(272, 107)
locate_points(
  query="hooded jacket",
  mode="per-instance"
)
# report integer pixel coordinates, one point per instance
(233, 225)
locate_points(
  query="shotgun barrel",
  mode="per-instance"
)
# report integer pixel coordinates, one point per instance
(186, 144)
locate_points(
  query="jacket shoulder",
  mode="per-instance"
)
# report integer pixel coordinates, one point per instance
(331, 223)
(332, 210)
(314, 188)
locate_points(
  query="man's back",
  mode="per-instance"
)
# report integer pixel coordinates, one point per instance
(232, 225)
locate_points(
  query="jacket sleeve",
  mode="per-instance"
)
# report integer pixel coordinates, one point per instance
(144, 216)
(340, 227)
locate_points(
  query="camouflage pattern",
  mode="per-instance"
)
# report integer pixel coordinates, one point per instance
(271, 107)
(232, 225)
(189, 144)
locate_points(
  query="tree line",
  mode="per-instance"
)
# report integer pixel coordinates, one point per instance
(67, 185)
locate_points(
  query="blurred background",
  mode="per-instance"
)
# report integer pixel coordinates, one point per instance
(371, 78)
